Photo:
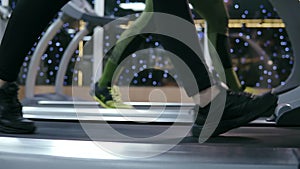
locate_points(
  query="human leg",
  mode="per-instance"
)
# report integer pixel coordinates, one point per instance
(239, 108)
(28, 20)
(103, 89)
(216, 16)
(207, 90)
(127, 46)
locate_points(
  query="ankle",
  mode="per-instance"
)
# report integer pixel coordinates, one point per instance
(232, 80)
(206, 96)
(2, 82)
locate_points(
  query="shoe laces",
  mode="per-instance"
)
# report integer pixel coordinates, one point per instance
(115, 93)
(244, 94)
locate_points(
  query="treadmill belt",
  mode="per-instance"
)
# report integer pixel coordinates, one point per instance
(288, 137)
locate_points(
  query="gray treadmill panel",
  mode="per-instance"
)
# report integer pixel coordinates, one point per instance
(88, 103)
(118, 115)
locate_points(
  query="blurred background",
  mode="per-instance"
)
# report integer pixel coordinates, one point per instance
(259, 45)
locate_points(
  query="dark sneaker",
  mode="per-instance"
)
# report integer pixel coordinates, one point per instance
(240, 109)
(11, 115)
(109, 97)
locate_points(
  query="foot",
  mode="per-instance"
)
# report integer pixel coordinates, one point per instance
(11, 115)
(240, 109)
(109, 97)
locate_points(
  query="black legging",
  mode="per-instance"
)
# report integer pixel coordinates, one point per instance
(30, 17)
(28, 20)
(180, 9)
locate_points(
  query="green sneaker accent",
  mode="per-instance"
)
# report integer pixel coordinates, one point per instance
(102, 104)
(117, 101)
(109, 97)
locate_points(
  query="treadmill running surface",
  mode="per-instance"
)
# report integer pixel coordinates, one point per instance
(254, 136)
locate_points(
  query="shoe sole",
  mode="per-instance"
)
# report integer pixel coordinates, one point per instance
(102, 104)
(227, 125)
(10, 130)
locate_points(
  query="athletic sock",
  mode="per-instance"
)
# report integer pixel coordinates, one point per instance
(2, 82)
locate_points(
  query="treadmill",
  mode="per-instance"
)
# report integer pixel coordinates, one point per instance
(87, 142)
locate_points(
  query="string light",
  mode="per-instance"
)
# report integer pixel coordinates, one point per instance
(259, 24)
